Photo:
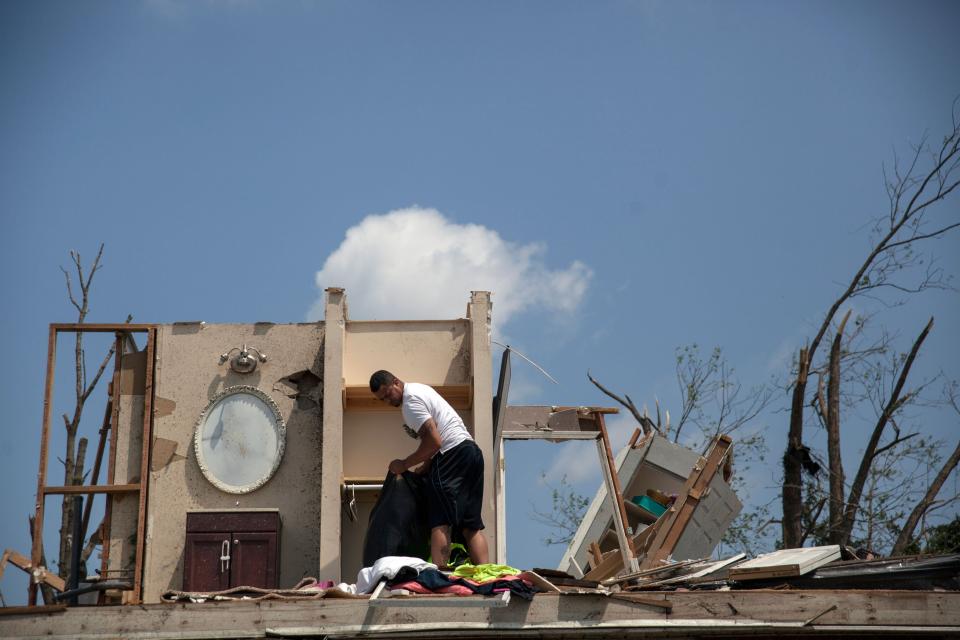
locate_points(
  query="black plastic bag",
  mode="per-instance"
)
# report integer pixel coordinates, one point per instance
(398, 523)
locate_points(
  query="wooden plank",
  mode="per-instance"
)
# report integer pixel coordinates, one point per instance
(786, 563)
(615, 493)
(37, 548)
(32, 611)
(596, 556)
(360, 398)
(539, 581)
(77, 489)
(605, 411)
(36, 576)
(145, 445)
(667, 568)
(556, 436)
(639, 513)
(613, 560)
(763, 612)
(711, 567)
(93, 327)
(659, 603)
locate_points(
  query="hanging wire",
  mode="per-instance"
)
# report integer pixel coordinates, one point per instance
(539, 368)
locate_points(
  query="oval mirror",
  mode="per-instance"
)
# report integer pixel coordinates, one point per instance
(239, 439)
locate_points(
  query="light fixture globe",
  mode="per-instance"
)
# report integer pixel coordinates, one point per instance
(239, 439)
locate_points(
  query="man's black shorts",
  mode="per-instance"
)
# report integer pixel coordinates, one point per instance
(456, 487)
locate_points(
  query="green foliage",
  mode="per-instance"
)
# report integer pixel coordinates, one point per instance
(943, 538)
(566, 513)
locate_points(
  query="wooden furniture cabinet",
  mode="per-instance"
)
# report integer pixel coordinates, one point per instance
(227, 549)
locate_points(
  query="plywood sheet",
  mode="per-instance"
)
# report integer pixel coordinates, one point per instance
(786, 563)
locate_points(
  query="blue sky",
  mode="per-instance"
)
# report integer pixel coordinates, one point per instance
(670, 173)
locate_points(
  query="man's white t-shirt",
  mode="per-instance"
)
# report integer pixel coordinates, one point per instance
(421, 402)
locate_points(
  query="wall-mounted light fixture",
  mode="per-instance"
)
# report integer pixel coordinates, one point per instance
(243, 362)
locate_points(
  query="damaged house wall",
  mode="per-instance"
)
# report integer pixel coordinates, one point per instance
(317, 376)
(188, 375)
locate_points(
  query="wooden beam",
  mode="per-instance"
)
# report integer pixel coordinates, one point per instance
(596, 556)
(360, 398)
(615, 494)
(32, 611)
(613, 560)
(65, 327)
(145, 445)
(37, 548)
(38, 575)
(78, 489)
(693, 613)
(549, 435)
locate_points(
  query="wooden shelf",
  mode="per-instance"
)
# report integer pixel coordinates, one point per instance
(360, 398)
(636, 513)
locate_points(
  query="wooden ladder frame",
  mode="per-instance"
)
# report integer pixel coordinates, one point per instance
(110, 488)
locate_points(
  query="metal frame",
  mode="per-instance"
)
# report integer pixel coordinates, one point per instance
(110, 489)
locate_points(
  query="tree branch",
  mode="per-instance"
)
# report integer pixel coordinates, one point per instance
(645, 423)
(906, 533)
(893, 403)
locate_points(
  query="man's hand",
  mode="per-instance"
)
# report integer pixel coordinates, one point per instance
(397, 467)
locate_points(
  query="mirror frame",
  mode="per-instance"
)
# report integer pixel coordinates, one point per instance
(279, 425)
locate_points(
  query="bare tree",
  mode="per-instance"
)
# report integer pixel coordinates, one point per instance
(711, 398)
(891, 266)
(73, 460)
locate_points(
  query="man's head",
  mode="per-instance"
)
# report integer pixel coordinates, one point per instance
(387, 388)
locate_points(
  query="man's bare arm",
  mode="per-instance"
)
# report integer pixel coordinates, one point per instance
(429, 445)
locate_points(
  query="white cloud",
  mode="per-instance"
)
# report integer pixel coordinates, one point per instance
(414, 263)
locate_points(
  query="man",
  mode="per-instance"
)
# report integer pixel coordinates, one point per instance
(449, 455)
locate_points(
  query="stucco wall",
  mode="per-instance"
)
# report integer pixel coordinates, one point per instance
(188, 376)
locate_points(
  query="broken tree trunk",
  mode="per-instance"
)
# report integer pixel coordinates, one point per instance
(837, 487)
(792, 459)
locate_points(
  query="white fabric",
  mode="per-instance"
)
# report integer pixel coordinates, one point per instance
(421, 402)
(387, 567)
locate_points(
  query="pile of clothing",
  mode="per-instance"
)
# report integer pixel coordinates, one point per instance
(417, 576)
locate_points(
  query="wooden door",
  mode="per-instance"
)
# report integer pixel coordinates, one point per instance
(254, 562)
(202, 567)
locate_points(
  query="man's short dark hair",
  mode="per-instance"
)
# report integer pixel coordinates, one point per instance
(381, 378)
